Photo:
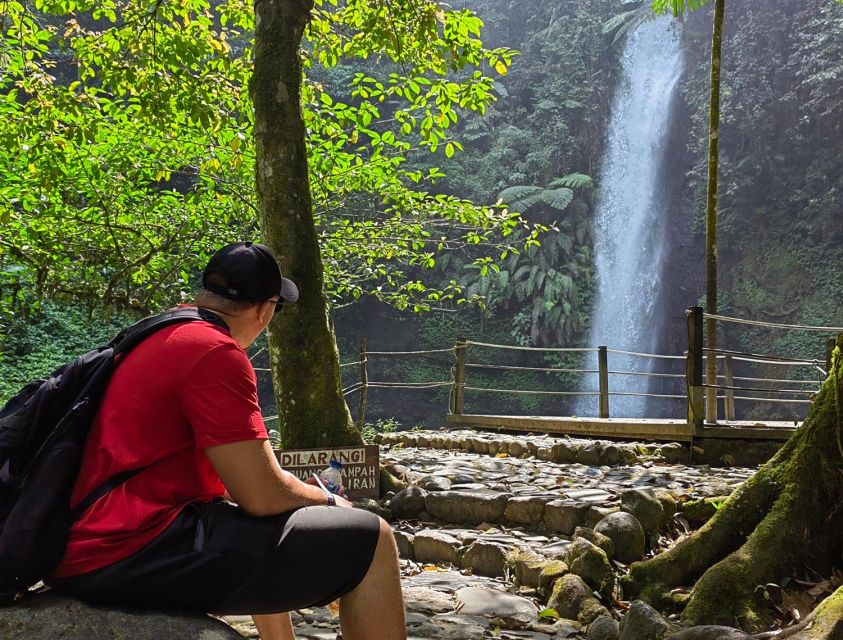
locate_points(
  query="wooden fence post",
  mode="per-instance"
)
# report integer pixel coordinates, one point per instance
(729, 404)
(459, 375)
(694, 368)
(364, 385)
(603, 375)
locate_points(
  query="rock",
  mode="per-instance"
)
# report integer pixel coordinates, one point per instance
(598, 539)
(642, 622)
(590, 563)
(435, 546)
(572, 598)
(604, 628)
(596, 514)
(486, 558)
(368, 504)
(544, 453)
(672, 453)
(49, 616)
(527, 566)
(611, 455)
(550, 573)
(527, 510)
(563, 452)
(516, 449)
(466, 507)
(646, 507)
(626, 534)
(710, 632)
(404, 542)
(435, 483)
(563, 516)
(408, 503)
(668, 502)
(589, 453)
(479, 601)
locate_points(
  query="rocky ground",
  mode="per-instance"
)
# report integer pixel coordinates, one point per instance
(525, 537)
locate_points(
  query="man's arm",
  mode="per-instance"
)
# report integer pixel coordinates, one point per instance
(256, 482)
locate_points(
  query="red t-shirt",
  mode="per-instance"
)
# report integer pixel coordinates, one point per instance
(185, 388)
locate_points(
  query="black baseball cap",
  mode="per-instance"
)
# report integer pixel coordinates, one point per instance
(247, 272)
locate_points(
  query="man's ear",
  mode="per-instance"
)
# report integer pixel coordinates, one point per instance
(263, 310)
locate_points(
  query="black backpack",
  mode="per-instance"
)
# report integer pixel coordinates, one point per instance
(42, 437)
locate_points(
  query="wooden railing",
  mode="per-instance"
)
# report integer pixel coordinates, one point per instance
(796, 388)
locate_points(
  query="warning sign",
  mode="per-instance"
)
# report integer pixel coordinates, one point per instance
(360, 470)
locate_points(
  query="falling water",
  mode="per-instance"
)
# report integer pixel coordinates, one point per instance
(630, 219)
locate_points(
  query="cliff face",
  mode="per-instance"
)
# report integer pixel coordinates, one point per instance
(780, 237)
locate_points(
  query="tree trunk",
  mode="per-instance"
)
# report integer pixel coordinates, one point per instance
(303, 350)
(711, 214)
(787, 516)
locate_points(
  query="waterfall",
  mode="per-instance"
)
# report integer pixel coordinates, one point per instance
(631, 220)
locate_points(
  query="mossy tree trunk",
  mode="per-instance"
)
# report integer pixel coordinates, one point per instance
(303, 349)
(789, 515)
(711, 212)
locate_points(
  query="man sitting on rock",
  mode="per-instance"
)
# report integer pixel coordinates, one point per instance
(211, 521)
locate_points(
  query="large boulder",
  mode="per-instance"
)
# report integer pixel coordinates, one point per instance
(463, 507)
(645, 505)
(590, 563)
(435, 546)
(408, 503)
(486, 558)
(626, 533)
(598, 539)
(50, 616)
(527, 510)
(642, 622)
(564, 516)
(572, 598)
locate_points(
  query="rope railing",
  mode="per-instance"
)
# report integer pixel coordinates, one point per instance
(514, 347)
(409, 353)
(645, 355)
(534, 391)
(646, 395)
(773, 325)
(782, 400)
(647, 373)
(514, 368)
(745, 356)
(758, 389)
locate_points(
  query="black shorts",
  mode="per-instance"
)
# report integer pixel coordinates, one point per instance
(215, 558)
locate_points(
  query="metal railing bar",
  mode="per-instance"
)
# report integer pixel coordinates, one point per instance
(645, 355)
(543, 393)
(420, 385)
(774, 325)
(356, 362)
(643, 373)
(763, 358)
(760, 390)
(504, 366)
(518, 348)
(409, 353)
(768, 400)
(647, 395)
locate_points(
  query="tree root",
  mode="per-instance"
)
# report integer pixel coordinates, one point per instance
(787, 515)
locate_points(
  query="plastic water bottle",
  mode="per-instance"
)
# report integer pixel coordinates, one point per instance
(332, 477)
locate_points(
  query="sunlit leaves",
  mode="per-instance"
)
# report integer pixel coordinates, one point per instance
(126, 143)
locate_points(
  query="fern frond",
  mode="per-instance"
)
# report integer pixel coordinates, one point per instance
(574, 181)
(559, 198)
(521, 196)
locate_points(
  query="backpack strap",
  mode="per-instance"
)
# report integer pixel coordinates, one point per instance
(124, 342)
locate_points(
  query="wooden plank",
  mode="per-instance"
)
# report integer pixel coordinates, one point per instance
(666, 430)
(629, 428)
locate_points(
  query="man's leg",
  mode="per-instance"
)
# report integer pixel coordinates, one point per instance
(375, 608)
(275, 626)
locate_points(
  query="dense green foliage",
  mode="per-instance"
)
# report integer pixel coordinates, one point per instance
(127, 154)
